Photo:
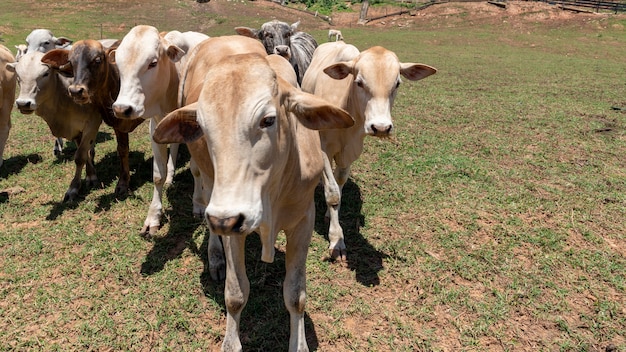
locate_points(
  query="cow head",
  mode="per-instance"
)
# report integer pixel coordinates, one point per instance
(35, 79)
(375, 80)
(43, 40)
(272, 34)
(247, 115)
(145, 63)
(87, 63)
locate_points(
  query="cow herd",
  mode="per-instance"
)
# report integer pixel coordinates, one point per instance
(266, 116)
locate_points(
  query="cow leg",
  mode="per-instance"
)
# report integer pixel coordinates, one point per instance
(80, 158)
(58, 146)
(217, 263)
(159, 171)
(5, 126)
(198, 199)
(294, 287)
(171, 163)
(90, 169)
(337, 245)
(236, 291)
(121, 189)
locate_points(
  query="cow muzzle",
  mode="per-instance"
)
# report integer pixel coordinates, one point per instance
(232, 225)
(79, 94)
(380, 129)
(123, 111)
(25, 106)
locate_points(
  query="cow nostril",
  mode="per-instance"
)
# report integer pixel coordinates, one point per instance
(128, 111)
(381, 130)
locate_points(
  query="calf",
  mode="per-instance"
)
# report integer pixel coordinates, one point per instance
(365, 84)
(44, 92)
(95, 81)
(149, 90)
(334, 33)
(285, 40)
(7, 96)
(43, 40)
(260, 158)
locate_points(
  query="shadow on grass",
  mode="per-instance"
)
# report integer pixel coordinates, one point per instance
(365, 260)
(265, 319)
(14, 165)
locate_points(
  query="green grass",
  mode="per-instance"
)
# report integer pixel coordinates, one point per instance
(493, 220)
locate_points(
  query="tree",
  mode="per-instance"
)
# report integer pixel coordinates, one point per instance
(363, 14)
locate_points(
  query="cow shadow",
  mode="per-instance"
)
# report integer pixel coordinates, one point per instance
(365, 260)
(15, 164)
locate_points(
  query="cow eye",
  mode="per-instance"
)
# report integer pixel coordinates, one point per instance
(397, 84)
(359, 83)
(269, 35)
(267, 121)
(98, 60)
(152, 64)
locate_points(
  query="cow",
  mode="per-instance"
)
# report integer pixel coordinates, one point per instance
(334, 33)
(20, 50)
(96, 81)
(276, 35)
(43, 40)
(364, 84)
(252, 135)
(148, 90)
(44, 92)
(7, 96)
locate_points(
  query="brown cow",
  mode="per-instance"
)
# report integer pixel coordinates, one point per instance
(7, 96)
(252, 135)
(365, 84)
(96, 82)
(44, 92)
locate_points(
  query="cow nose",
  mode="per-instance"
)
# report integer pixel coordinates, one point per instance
(381, 130)
(76, 90)
(226, 225)
(282, 50)
(122, 110)
(22, 104)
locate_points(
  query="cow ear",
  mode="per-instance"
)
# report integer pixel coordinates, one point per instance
(62, 42)
(248, 32)
(111, 56)
(415, 72)
(56, 58)
(339, 70)
(175, 53)
(11, 66)
(312, 111)
(294, 26)
(179, 126)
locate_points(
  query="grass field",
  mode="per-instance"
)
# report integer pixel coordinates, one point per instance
(494, 220)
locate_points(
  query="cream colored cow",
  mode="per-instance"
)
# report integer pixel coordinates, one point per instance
(7, 96)
(252, 135)
(149, 90)
(365, 84)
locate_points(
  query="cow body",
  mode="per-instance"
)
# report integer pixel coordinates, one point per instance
(365, 84)
(44, 92)
(285, 40)
(250, 132)
(95, 81)
(148, 90)
(334, 33)
(7, 96)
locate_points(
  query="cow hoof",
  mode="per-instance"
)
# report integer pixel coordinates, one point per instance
(148, 232)
(121, 190)
(339, 255)
(70, 196)
(93, 183)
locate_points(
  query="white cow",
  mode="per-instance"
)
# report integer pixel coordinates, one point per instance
(43, 40)
(252, 134)
(186, 41)
(149, 90)
(7, 95)
(365, 84)
(334, 33)
(44, 92)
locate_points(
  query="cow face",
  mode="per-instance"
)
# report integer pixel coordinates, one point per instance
(143, 59)
(247, 115)
(86, 64)
(274, 35)
(375, 80)
(34, 78)
(43, 41)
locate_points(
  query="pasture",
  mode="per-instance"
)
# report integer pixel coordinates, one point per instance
(494, 219)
